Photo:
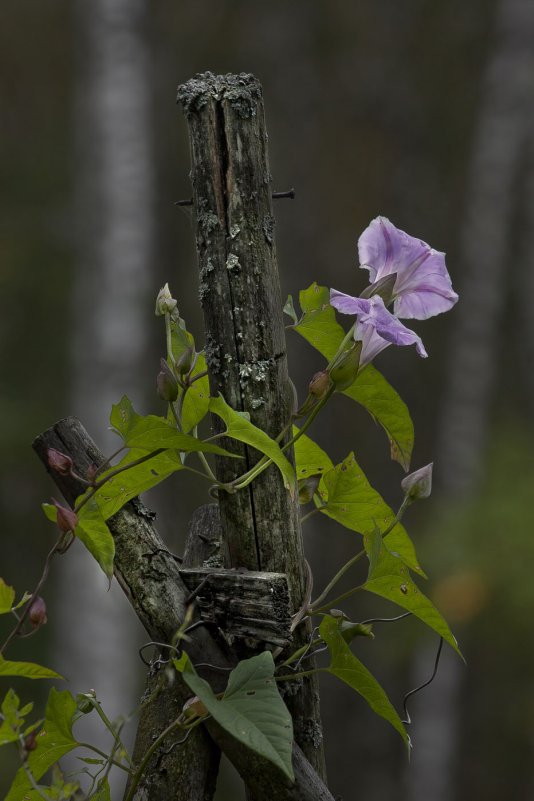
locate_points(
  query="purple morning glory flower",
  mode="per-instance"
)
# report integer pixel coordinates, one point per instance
(423, 286)
(375, 327)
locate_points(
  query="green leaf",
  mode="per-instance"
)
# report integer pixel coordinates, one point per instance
(102, 793)
(349, 669)
(7, 596)
(96, 536)
(238, 427)
(197, 397)
(352, 501)
(29, 670)
(252, 710)
(151, 433)
(318, 323)
(310, 458)
(132, 482)
(181, 339)
(390, 579)
(54, 741)
(123, 416)
(289, 309)
(12, 718)
(374, 393)
(371, 390)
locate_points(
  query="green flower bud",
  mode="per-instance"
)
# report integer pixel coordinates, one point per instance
(186, 361)
(344, 373)
(165, 303)
(166, 382)
(84, 702)
(319, 384)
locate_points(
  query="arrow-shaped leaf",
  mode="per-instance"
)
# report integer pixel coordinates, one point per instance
(252, 709)
(349, 669)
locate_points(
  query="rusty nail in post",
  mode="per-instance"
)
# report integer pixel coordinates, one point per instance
(290, 193)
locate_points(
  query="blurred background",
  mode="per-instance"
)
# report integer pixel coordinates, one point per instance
(417, 110)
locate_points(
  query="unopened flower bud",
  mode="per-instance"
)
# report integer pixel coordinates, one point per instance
(59, 462)
(307, 487)
(165, 303)
(84, 702)
(194, 707)
(30, 741)
(91, 473)
(185, 362)
(418, 484)
(37, 613)
(67, 520)
(319, 384)
(344, 373)
(166, 383)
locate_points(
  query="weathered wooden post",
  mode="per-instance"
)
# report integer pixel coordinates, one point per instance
(259, 525)
(245, 337)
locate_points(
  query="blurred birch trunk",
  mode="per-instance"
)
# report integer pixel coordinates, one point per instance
(97, 634)
(486, 253)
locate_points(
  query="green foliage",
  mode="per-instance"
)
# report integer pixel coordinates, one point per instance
(350, 500)
(251, 709)
(371, 390)
(131, 482)
(374, 393)
(390, 578)
(197, 397)
(93, 532)
(29, 670)
(310, 458)
(54, 741)
(349, 669)
(238, 427)
(14, 718)
(7, 596)
(102, 792)
(150, 433)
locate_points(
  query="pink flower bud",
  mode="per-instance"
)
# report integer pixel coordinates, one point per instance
(37, 613)
(319, 384)
(59, 462)
(418, 484)
(91, 473)
(30, 741)
(67, 520)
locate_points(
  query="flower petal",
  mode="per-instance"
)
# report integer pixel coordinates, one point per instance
(347, 304)
(423, 287)
(390, 328)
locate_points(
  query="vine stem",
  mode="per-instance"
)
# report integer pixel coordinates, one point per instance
(106, 756)
(109, 726)
(44, 576)
(300, 651)
(157, 742)
(266, 461)
(301, 675)
(337, 600)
